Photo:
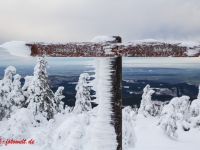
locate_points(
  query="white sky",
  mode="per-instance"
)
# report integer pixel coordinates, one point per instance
(81, 20)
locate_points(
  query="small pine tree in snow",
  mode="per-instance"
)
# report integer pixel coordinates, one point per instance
(68, 109)
(26, 85)
(18, 100)
(83, 95)
(198, 97)
(58, 98)
(128, 134)
(168, 120)
(195, 111)
(5, 90)
(70, 134)
(181, 105)
(195, 106)
(146, 106)
(49, 135)
(41, 100)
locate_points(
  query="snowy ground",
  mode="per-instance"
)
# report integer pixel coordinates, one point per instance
(149, 136)
(152, 137)
(3, 124)
(69, 127)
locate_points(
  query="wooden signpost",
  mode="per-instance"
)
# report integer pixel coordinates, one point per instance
(116, 50)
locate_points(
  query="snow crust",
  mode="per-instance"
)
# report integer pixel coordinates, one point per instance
(102, 39)
(151, 137)
(188, 44)
(17, 48)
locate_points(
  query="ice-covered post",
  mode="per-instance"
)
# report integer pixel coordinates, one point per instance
(116, 85)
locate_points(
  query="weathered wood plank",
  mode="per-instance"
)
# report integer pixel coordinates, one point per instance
(89, 49)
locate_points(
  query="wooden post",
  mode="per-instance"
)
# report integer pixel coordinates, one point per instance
(117, 95)
(117, 98)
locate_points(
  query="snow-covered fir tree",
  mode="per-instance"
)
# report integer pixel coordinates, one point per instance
(18, 125)
(168, 120)
(82, 95)
(195, 108)
(17, 98)
(181, 105)
(58, 98)
(49, 135)
(198, 97)
(6, 87)
(146, 106)
(195, 111)
(41, 100)
(27, 82)
(128, 122)
(70, 134)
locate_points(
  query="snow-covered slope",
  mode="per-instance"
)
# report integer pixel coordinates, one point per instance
(152, 137)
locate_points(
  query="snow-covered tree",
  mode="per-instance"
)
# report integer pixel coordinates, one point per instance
(128, 134)
(17, 98)
(195, 111)
(198, 97)
(6, 87)
(18, 125)
(181, 105)
(168, 120)
(83, 95)
(58, 98)
(68, 109)
(70, 134)
(25, 92)
(195, 108)
(41, 100)
(146, 106)
(49, 136)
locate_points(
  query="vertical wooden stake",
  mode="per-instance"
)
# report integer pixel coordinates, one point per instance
(117, 94)
(117, 98)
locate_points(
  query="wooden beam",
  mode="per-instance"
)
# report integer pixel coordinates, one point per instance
(108, 49)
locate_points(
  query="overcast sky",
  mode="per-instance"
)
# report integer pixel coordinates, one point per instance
(81, 20)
